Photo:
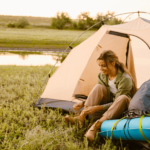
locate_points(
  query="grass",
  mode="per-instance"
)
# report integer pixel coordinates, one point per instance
(34, 21)
(37, 37)
(23, 127)
(21, 52)
(40, 38)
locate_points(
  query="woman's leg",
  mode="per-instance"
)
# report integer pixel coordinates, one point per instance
(97, 96)
(114, 112)
(90, 134)
(118, 107)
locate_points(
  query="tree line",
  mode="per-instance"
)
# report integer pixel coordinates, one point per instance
(83, 21)
(63, 21)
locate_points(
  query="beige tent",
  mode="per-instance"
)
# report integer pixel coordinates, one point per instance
(78, 73)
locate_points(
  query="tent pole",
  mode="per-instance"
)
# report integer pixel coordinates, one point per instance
(48, 75)
(127, 17)
(138, 13)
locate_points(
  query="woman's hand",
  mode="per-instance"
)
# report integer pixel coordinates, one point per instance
(78, 106)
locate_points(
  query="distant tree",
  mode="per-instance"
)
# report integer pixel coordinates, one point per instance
(84, 21)
(11, 25)
(61, 20)
(74, 25)
(114, 21)
(22, 22)
(110, 14)
(104, 18)
(99, 17)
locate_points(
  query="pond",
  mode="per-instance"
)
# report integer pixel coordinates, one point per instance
(28, 58)
(141, 61)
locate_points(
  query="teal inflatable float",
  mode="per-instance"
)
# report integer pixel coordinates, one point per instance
(137, 129)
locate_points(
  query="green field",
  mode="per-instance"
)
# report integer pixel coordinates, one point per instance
(34, 21)
(23, 127)
(40, 38)
(38, 35)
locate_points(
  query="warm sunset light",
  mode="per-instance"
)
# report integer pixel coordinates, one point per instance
(49, 8)
(74, 74)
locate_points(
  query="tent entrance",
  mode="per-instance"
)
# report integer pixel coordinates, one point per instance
(122, 35)
(78, 73)
(118, 34)
(127, 36)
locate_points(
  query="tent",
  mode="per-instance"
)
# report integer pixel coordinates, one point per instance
(78, 73)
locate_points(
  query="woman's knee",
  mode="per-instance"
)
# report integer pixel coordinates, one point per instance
(116, 109)
(97, 95)
(123, 99)
(100, 87)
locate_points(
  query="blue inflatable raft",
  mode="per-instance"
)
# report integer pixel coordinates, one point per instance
(137, 129)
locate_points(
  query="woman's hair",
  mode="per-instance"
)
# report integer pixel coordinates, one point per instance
(110, 56)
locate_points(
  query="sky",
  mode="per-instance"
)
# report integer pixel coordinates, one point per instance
(49, 8)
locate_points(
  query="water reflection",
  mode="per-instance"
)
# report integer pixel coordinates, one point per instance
(23, 56)
(27, 59)
(141, 61)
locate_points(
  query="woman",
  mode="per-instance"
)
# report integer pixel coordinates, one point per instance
(112, 93)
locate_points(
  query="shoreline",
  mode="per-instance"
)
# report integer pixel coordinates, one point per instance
(33, 49)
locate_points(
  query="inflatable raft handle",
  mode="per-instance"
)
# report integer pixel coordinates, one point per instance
(140, 128)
